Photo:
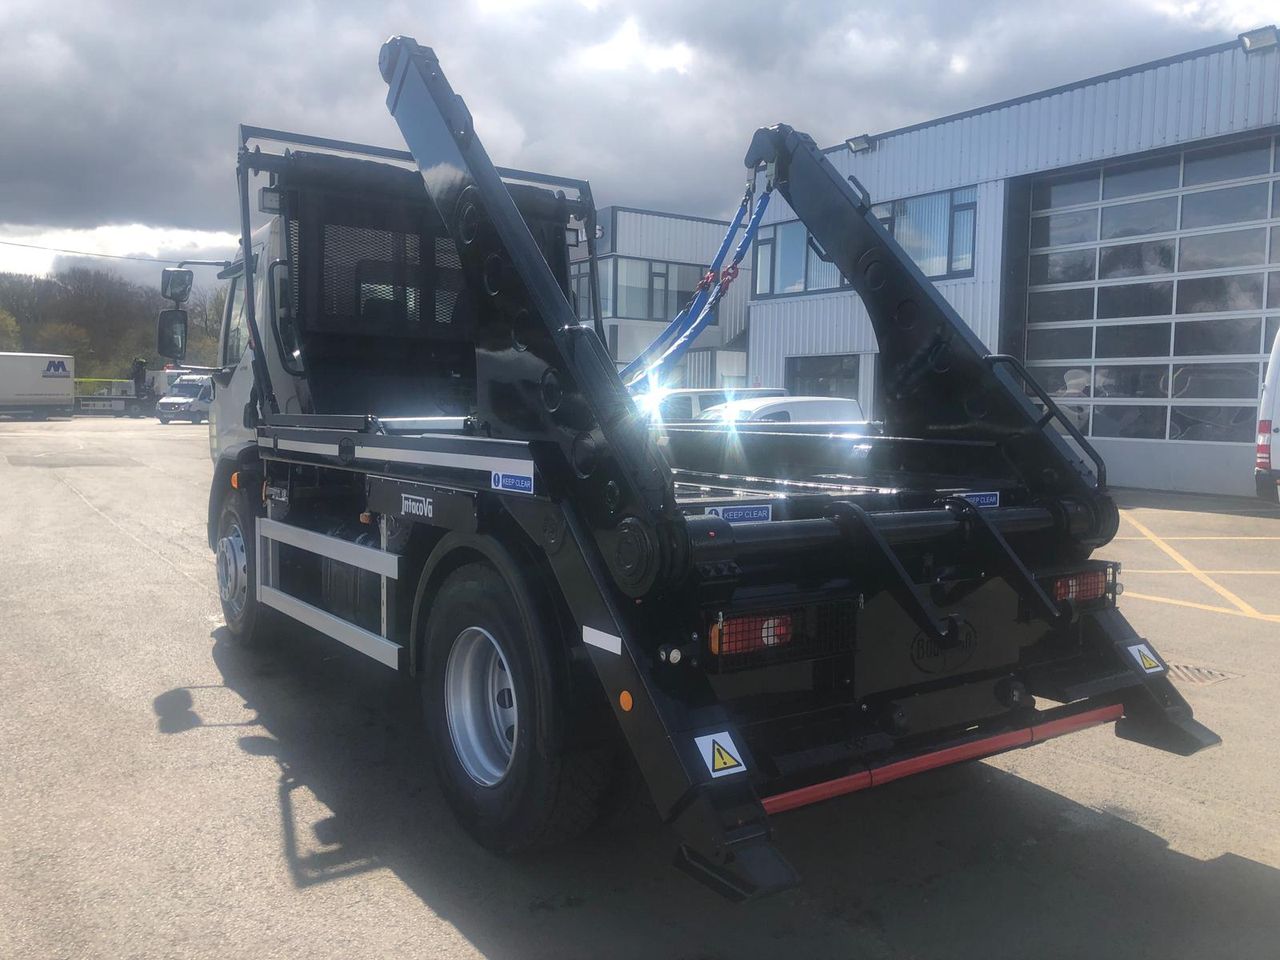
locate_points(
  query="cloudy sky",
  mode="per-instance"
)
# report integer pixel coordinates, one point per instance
(118, 120)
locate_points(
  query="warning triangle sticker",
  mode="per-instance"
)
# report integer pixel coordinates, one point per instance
(720, 754)
(722, 759)
(1145, 658)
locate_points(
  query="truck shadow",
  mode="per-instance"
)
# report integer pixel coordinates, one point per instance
(966, 862)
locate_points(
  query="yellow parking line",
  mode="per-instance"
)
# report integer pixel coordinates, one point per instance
(1202, 606)
(1232, 573)
(1199, 538)
(1191, 568)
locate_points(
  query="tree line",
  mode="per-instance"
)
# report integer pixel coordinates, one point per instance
(101, 319)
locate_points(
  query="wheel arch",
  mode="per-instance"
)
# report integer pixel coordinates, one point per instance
(242, 456)
(538, 597)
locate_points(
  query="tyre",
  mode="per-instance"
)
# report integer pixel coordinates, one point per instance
(494, 706)
(163, 419)
(132, 410)
(235, 562)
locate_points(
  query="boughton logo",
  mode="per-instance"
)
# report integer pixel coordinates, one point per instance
(929, 657)
(412, 506)
(56, 368)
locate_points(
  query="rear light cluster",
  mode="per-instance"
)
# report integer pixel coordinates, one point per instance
(1263, 460)
(757, 638)
(1085, 585)
(750, 634)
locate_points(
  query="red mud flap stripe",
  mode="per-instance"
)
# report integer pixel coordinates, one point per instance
(878, 776)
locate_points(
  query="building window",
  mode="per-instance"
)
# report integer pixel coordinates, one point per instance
(645, 289)
(936, 230)
(825, 376)
(1150, 306)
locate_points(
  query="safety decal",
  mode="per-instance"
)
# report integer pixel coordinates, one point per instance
(720, 754)
(605, 641)
(986, 499)
(1145, 657)
(743, 513)
(513, 482)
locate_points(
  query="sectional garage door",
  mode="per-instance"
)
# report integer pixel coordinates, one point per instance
(1153, 292)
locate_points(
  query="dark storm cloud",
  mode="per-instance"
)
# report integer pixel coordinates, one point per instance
(126, 112)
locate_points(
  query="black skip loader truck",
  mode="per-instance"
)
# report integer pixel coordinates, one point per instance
(421, 451)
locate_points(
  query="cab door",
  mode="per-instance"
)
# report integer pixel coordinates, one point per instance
(233, 383)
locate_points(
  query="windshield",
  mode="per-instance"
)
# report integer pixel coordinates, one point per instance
(186, 390)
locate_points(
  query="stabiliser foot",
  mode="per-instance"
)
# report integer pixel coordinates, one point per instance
(750, 871)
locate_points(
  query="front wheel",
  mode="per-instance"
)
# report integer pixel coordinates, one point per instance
(496, 717)
(235, 561)
(162, 419)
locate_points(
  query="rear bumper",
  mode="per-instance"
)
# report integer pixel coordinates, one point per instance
(1050, 724)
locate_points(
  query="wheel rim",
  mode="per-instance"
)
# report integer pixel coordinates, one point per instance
(480, 705)
(233, 570)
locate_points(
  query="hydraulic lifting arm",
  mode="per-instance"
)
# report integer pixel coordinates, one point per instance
(940, 382)
(544, 378)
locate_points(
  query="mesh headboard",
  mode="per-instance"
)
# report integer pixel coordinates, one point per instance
(384, 323)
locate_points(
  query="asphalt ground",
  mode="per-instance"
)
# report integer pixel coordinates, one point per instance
(165, 792)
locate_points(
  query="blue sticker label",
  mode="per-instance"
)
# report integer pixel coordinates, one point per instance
(514, 482)
(983, 499)
(743, 513)
(56, 369)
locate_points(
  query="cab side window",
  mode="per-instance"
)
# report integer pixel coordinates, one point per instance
(236, 336)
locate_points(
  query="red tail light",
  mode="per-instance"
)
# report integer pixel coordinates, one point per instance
(1086, 585)
(749, 634)
(1263, 460)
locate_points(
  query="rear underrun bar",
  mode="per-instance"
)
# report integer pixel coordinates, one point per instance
(985, 747)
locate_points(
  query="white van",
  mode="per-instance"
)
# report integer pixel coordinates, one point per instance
(188, 399)
(691, 403)
(787, 410)
(1266, 474)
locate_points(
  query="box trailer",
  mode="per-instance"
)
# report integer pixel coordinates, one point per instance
(37, 385)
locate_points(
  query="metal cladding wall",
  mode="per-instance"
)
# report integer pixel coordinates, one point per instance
(1210, 93)
(836, 322)
(659, 236)
(683, 240)
(700, 369)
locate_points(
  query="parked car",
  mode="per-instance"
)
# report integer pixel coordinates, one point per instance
(690, 404)
(188, 399)
(787, 410)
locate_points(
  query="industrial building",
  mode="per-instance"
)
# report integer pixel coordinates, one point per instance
(650, 263)
(1122, 234)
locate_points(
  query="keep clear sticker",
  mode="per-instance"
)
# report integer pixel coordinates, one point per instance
(1145, 657)
(720, 754)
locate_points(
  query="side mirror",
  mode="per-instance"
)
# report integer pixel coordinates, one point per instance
(171, 334)
(175, 284)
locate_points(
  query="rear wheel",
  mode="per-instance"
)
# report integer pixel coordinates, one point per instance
(495, 710)
(237, 572)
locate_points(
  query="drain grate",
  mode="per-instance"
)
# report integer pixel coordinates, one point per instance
(1198, 676)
